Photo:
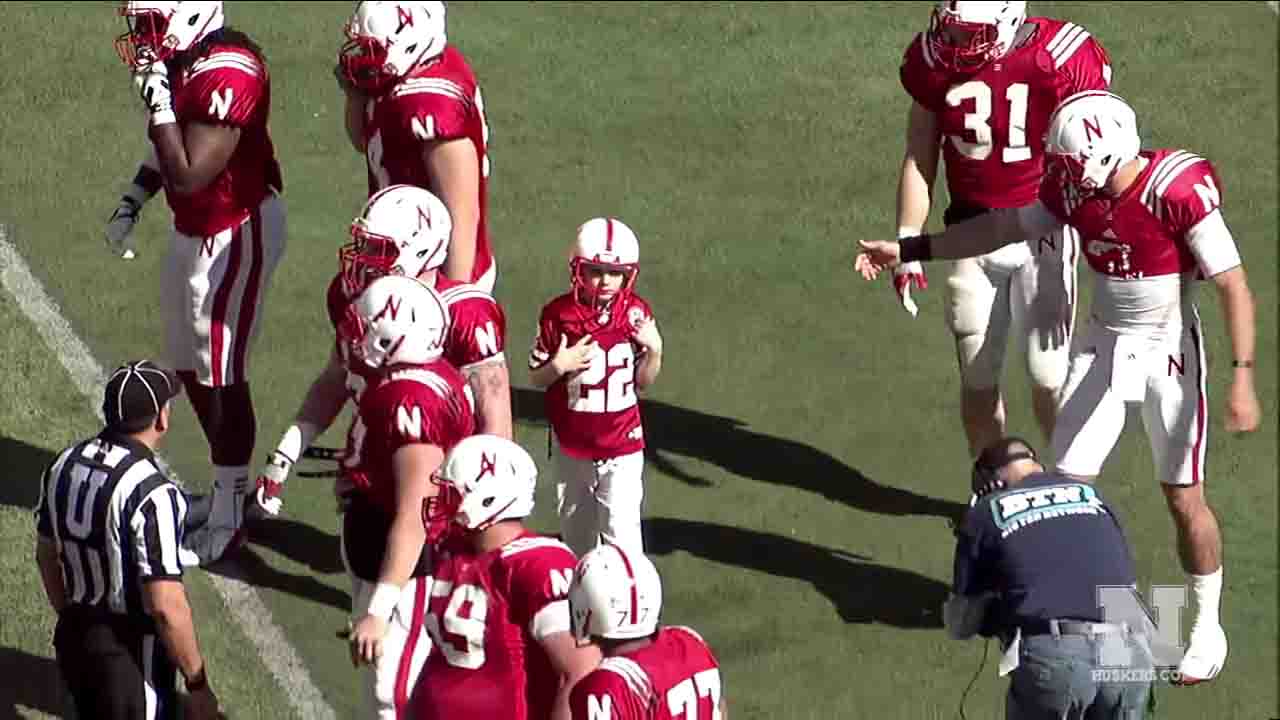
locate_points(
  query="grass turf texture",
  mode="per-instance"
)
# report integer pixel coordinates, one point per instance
(804, 435)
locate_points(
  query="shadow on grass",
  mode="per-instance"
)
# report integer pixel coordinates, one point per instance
(31, 682)
(863, 591)
(24, 465)
(728, 443)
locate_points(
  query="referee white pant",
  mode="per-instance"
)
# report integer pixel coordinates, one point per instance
(390, 682)
(600, 500)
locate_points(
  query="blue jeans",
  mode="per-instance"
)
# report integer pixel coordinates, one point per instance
(1056, 680)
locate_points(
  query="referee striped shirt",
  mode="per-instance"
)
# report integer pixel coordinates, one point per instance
(116, 520)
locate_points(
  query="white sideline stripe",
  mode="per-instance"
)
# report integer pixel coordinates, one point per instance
(240, 599)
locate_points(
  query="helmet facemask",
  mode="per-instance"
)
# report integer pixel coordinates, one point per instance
(593, 297)
(159, 31)
(386, 41)
(964, 38)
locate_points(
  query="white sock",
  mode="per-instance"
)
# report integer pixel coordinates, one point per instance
(1207, 591)
(230, 484)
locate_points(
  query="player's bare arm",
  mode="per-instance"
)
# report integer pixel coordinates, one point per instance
(919, 167)
(971, 238)
(455, 174)
(355, 103)
(567, 359)
(190, 158)
(324, 400)
(1243, 412)
(490, 384)
(571, 663)
(413, 466)
(51, 573)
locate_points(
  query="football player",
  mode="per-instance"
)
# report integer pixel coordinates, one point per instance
(207, 95)
(402, 230)
(649, 672)
(1151, 225)
(597, 345)
(498, 609)
(983, 80)
(413, 411)
(414, 110)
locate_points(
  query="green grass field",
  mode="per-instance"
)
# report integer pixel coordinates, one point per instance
(805, 441)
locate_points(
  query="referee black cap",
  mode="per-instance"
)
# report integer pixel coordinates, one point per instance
(135, 393)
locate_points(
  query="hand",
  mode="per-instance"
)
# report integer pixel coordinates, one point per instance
(152, 81)
(904, 276)
(573, 359)
(120, 226)
(876, 256)
(366, 640)
(1051, 305)
(271, 482)
(202, 705)
(648, 337)
(1243, 412)
(344, 82)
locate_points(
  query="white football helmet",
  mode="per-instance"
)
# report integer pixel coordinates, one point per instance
(403, 229)
(387, 40)
(603, 243)
(484, 479)
(988, 29)
(395, 321)
(616, 594)
(1090, 135)
(158, 30)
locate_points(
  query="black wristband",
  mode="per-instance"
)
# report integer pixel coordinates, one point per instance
(1241, 363)
(198, 683)
(916, 248)
(149, 180)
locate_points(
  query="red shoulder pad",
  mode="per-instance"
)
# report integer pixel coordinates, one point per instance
(226, 87)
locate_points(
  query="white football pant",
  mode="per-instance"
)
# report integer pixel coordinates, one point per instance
(390, 682)
(1025, 289)
(600, 500)
(212, 294)
(1166, 377)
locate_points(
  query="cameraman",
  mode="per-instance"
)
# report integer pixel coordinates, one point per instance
(1031, 558)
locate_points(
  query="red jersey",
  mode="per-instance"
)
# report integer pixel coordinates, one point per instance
(477, 325)
(228, 86)
(993, 121)
(487, 615)
(410, 405)
(594, 413)
(674, 678)
(438, 101)
(1146, 244)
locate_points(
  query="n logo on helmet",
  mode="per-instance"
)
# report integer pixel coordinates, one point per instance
(390, 307)
(1092, 128)
(424, 218)
(487, 466)
(405, 18)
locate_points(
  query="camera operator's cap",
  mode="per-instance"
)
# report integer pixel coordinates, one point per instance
(137, 390)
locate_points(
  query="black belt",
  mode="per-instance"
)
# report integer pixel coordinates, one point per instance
(1056, 627)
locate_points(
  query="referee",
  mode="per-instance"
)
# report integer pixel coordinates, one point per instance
(1031, 561)
(109, 525)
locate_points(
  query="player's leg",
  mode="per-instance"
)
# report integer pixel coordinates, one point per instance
(226, 281)
(620, 494)
(404, 651)
(1042, 296)
(1091, 416)
(978, 317)
(575, 485)
(1176, 419)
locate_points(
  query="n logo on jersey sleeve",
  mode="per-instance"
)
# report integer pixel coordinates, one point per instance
(220, 102)
(599, 707)
(1209, 194)
(409, 422)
